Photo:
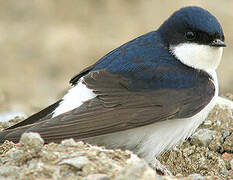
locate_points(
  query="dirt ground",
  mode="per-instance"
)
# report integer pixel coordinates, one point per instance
(44, 43)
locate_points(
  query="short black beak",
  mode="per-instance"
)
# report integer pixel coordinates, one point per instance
(218, 43)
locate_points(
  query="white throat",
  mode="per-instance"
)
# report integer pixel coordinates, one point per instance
(198, 56)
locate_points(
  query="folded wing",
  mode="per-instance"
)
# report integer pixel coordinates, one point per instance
(119, 107)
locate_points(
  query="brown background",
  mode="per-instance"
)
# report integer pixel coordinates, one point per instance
(44, 43)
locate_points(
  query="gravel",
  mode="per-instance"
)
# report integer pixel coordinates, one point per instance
(209, 151)
(202, 137)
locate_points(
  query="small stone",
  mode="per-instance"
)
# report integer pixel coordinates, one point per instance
(47, 156)
(179, 175)
(32, 142)
(159, 168)
(227, 155)
(188, 151)
(224, 102)
(77, 162)
(196, 176)
(202, 137)
(225, 134)
(6, 146)
(224, 172)
(15, 154)
(69, 142)
(218, 123)
(228, 144)
(9, 171)
(80, 143)
(34, 164)
(231, 163)
(97, 177)
(136, 169)
(216, 143)
(207, 123)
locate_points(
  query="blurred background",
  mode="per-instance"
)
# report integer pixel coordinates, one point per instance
(44, 43)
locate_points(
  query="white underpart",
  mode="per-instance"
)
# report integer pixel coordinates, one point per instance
(198, 56)
(149, 141)
(74, 98)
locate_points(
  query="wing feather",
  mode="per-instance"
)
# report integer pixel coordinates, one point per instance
(118, 107)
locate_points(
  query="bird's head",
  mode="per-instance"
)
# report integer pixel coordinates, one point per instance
(195, 37)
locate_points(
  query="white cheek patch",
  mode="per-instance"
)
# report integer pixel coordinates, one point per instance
(74, 98)
(198, 56)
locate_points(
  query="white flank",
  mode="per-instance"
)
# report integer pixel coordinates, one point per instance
(74, 98)
(198, 56)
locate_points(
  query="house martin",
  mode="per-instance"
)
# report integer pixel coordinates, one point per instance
(145, 96)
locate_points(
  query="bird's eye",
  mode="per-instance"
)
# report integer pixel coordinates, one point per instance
(190, 35)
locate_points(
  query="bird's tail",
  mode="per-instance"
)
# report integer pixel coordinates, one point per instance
(12, 134)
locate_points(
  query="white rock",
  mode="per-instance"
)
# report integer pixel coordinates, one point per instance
(97, 177)
(202, 137)
(224, 103)
(9, 171)
(69, 142)
(77, 162)
(32, 141)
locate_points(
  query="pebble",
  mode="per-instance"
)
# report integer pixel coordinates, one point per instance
(224, 172)
(207, 123)
(34, 164)
(225, 103)
(227, 155)
(202, 137)
(196, 176)
(32, 142)
(228, 144)
(69, 142)
(231, 164)
(218, 123)
(31, 145)
(9, 170)
(77, 162)
(97, 177)
(136, 169)
(225, 134)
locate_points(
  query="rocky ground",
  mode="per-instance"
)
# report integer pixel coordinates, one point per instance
(209, 151)
(207, 154)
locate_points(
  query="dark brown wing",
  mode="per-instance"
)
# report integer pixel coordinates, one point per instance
(117, 107)
(37, 117)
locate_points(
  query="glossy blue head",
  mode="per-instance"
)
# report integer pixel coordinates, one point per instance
(192, 24)
(194, 36)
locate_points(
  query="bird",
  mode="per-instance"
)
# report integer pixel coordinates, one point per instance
(145, 96)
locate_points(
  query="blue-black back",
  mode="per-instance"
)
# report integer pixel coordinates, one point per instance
(147, 63)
